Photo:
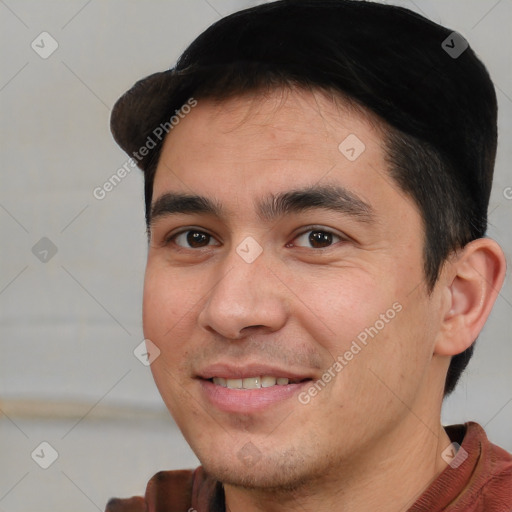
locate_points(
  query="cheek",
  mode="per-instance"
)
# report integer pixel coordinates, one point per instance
(344, 305)
(156, 307)
(166, 301)
(167, 325)
(396, 359)
(368, 325)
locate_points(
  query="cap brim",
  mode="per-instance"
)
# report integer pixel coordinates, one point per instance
(143, 108)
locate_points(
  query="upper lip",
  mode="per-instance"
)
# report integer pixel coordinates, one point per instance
(242, 371)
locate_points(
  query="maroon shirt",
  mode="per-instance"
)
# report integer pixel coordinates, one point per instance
(481, 483)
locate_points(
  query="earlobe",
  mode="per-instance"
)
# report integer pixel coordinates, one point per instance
(478, 272)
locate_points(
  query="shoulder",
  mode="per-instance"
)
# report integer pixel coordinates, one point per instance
(496, 477)
(477, 479)
(489, 486)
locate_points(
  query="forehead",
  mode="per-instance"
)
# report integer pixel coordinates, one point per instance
(270, 139)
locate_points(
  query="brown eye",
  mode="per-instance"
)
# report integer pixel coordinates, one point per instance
(317, 239)
(320, 238)
(192, 239)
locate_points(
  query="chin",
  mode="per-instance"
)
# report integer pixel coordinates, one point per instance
(276, 473)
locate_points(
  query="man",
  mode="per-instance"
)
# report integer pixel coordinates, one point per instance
(317, 175)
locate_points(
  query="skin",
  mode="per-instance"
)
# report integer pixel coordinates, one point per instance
(371, 438)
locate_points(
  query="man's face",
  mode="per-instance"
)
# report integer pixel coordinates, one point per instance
(339, 279)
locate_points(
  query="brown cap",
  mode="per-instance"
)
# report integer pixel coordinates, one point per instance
(144, 114)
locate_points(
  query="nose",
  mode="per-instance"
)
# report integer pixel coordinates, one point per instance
(247, 297)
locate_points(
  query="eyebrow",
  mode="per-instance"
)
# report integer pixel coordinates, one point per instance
(273, 206)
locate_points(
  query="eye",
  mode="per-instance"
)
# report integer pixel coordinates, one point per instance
(317, 238)
(191, 239)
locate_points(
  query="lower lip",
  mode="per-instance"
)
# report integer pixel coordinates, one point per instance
(248, 400)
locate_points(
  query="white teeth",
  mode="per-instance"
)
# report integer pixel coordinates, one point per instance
(265, 381)
(220, 381)
(252, 383)
(268, 381)
(234, 383)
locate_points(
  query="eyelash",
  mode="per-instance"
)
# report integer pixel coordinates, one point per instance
(172, 238)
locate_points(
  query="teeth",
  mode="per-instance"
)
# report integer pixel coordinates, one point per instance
(268, 381)
(264, 381)
(220, 381)
(252, 383)
(234, 383)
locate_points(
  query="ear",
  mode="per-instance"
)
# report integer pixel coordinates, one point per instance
(475, 276)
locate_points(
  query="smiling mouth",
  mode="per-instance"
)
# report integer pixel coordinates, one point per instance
(264, 381)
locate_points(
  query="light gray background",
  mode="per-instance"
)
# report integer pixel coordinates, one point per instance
(68, 375)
